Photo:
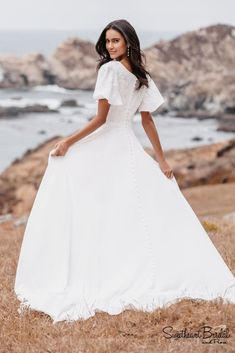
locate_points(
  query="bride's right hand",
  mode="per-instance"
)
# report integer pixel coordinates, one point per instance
(60, 148)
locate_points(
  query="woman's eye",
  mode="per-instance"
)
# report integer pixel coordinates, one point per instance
(115, 40)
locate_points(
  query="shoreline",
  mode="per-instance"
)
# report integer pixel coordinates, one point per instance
(194, 167)
(25, 143)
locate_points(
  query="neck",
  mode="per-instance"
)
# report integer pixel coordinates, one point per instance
(121, 57)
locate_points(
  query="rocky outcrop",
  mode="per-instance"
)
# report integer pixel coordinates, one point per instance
(196, 70)
(28, 70)
(15, 111)
(205, 165)
(74, 64)
(69, 103)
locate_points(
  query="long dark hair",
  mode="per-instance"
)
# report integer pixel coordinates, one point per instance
(136, 55)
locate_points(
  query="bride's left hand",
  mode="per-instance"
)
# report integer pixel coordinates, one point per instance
(60, 148)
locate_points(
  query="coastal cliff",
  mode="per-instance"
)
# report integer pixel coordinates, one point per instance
(195, 71)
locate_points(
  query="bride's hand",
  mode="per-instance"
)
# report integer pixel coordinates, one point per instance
(60, 148)
(166, 169)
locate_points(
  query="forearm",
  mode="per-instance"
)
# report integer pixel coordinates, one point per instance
(92, 125)
(152, 134)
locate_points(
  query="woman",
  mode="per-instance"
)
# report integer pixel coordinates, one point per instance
(109, 228)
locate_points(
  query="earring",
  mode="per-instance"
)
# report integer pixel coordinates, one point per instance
(128, 50)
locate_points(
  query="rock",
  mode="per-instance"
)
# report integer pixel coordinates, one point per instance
(74, 64)
(28, 70)
(230, 110)
(230, 145)
(227, 123)
(35, 108)
(191, 166)
(197, 138)
(196, 71)
(69, 103)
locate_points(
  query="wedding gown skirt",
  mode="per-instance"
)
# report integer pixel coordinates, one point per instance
(109, 231)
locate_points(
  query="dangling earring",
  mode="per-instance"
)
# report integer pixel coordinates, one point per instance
(128, 50)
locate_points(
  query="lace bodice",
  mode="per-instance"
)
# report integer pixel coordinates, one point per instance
(118, 85)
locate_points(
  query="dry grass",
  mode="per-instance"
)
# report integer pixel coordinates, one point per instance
(210, 227)
(130, 331)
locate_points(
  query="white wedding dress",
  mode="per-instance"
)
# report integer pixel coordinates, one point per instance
(108, 230)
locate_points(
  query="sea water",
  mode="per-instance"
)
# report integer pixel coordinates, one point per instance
(26, 131)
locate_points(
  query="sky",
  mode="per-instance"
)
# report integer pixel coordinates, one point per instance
(154, 15)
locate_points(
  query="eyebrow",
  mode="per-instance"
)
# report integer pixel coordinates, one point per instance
(113, 38)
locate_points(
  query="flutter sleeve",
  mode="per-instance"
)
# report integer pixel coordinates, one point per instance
(152, 98)
(107, 85)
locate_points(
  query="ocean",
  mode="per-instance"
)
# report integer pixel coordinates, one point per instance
(29, 130)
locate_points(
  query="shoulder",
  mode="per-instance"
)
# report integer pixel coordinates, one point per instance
(110, 66)
(108, 72)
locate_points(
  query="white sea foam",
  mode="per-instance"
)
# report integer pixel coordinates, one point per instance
(52, 88)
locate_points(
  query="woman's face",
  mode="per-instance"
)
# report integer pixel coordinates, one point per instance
(115, 43)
